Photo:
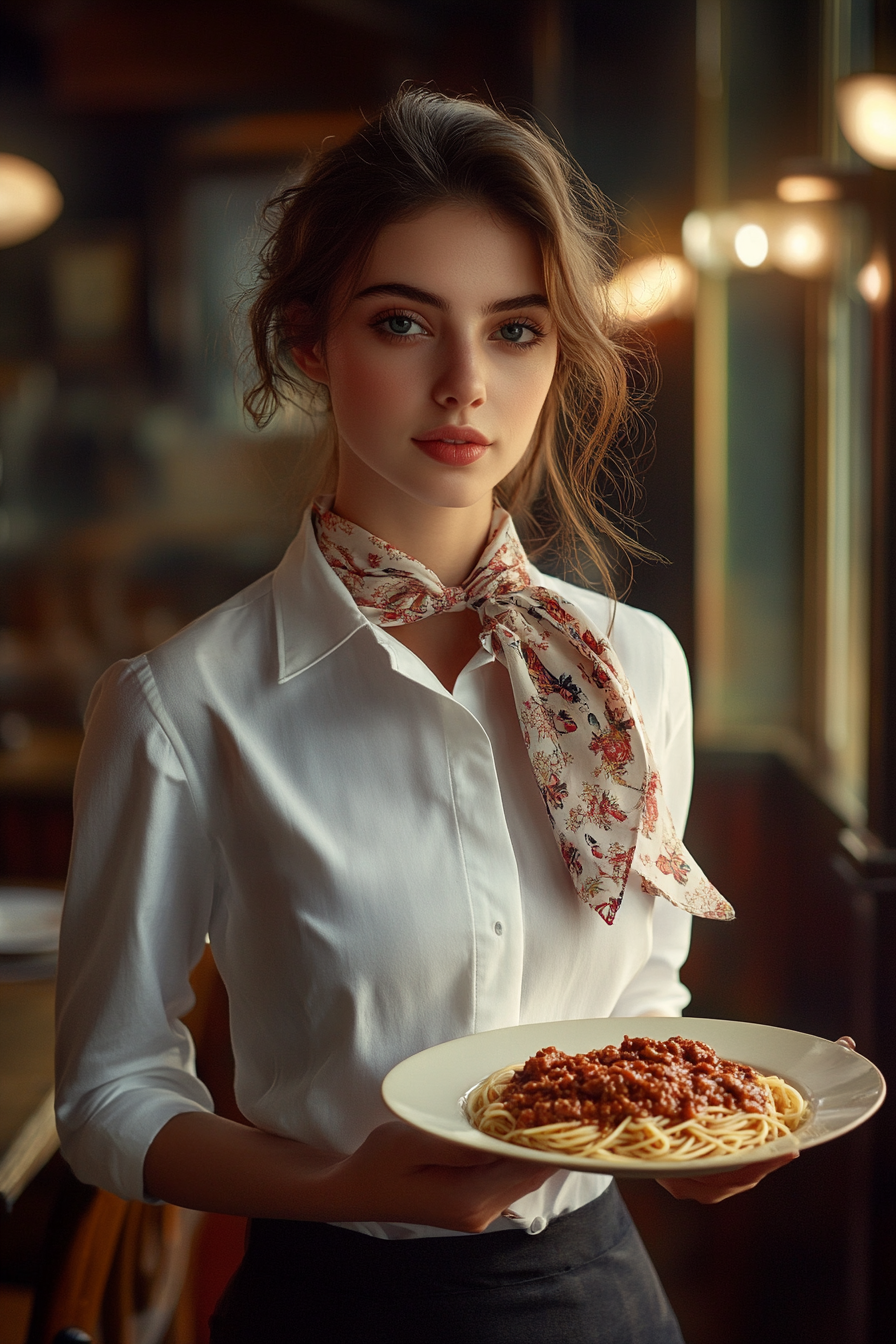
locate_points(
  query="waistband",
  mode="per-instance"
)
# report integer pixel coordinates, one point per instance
(327, 1255)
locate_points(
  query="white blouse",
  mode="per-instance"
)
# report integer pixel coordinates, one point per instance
(369, 854)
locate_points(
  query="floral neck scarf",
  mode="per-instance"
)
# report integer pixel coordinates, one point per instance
(580, 721)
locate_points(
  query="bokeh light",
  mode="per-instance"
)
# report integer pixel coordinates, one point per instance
(866, 107)
(29, 199)
(797, 188)
(751, 245)
(873, 281)
(653, 289)
(696, 239)
(802, 248)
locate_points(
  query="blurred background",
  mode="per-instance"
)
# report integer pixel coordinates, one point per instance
(752, 167)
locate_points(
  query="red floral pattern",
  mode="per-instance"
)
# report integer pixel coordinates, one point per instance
(564, 677)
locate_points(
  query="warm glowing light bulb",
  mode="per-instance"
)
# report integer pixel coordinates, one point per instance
(866, 107)
(751, 245)
(873, 281)
(696, 239)
(800, 187)
(802, 247)
(652, 289)
(29, 199)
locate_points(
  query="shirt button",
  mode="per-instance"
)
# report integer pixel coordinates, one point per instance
(537, 1225)
(499, 928)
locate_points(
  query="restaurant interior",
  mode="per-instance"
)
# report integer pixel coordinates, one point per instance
(749, 150)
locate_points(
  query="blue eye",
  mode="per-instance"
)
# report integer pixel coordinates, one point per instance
(520, 333)
(399, 326)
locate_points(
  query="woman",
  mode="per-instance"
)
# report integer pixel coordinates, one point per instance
(328, 774)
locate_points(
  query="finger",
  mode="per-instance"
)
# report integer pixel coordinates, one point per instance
(445, 1153)
(747, 1176)
(502, 1194)
(701, 1193)
(504, 1180)
(530, 1175)
(847, 1041)
(722, 1185)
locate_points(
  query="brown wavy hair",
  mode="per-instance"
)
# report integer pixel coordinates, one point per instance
(424, 150)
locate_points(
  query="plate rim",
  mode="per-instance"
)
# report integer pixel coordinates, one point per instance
(634, 1168)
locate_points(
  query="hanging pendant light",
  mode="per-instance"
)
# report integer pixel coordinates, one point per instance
(866, 108)
(29, 199)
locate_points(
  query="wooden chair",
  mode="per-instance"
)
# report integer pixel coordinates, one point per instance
(119, 1274)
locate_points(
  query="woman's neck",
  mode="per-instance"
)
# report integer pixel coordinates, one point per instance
(448, 541)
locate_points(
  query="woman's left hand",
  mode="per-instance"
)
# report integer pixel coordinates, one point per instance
(713, 1189)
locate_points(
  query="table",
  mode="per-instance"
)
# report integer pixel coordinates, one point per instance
(28, 1136)
(35, 835)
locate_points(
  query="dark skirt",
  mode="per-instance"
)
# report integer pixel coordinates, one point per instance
(586, 1279)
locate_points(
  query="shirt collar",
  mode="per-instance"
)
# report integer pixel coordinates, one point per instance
(314, 611)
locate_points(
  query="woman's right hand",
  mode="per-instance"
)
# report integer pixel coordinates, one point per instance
(397, 1175)
(400, 1174)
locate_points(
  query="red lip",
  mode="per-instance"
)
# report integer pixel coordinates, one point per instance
(451, 454)
(454, 445)
(453, 434)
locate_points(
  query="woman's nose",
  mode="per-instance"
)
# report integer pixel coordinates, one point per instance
(460, 379)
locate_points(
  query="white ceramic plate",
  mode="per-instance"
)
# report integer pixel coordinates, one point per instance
(843, 1088)
(29, 920)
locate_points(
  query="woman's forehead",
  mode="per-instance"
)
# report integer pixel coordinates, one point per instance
(457, 247)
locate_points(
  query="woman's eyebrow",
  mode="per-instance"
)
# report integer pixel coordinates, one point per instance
(414, 295)
(405, 292)
(522, 301)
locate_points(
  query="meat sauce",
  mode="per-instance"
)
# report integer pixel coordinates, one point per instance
(674, 1079)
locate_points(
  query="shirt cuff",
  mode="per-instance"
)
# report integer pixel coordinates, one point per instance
(108, 1148)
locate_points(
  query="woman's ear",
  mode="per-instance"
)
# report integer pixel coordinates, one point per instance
(307, 355)
(311, 361)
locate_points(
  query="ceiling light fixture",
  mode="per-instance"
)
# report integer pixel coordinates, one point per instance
(866, 109)
(29, 199)
(798, 188)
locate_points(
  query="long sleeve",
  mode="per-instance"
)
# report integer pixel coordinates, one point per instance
(136, 913)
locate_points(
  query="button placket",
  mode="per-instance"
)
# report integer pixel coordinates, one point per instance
(491, 868)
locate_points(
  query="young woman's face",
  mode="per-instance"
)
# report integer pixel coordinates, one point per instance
(442, 361)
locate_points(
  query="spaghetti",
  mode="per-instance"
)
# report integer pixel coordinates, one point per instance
(671, 1101)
